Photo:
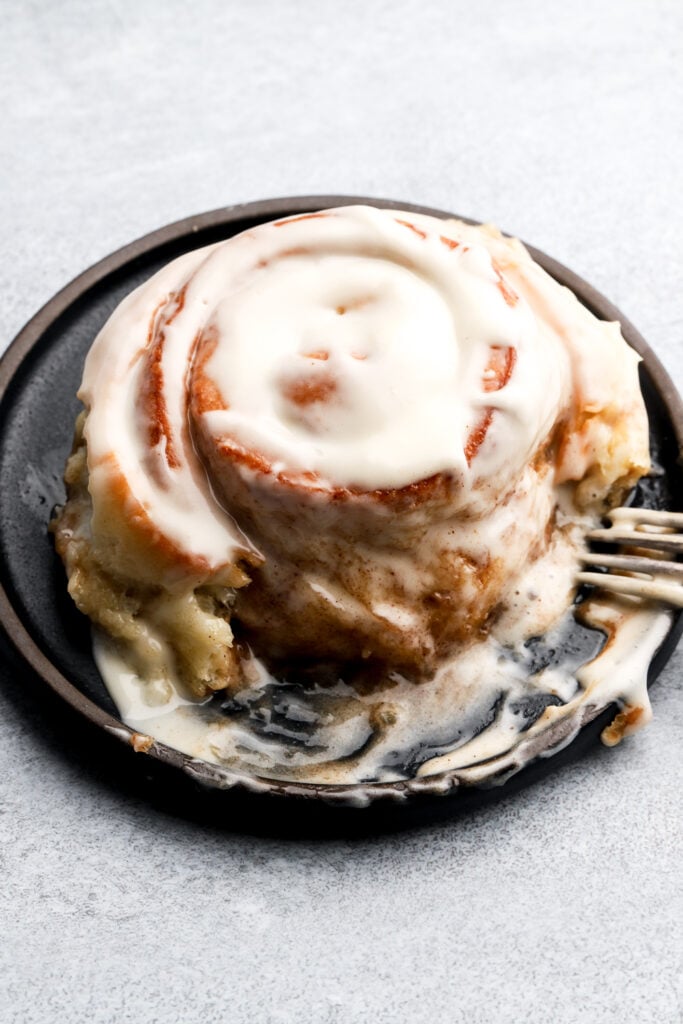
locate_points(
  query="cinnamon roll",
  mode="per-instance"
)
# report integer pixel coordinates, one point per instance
(333, 444)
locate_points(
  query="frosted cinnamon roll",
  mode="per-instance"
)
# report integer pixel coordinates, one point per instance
(338, 440)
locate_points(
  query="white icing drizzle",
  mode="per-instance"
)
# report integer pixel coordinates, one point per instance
(404, 325)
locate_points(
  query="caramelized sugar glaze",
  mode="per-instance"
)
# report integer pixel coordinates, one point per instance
(340, 440)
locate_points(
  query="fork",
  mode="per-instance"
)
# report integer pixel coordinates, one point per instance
(649, 532)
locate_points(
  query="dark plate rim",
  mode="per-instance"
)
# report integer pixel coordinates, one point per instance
(358, 794)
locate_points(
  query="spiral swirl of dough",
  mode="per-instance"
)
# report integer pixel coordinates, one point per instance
(349, 351)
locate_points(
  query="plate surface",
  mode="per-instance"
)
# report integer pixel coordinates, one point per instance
(39, 376)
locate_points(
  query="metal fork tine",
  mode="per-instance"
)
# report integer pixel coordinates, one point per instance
(652, 589)
(630, 529)
(648, 516)
(632, 563)
(660, 541)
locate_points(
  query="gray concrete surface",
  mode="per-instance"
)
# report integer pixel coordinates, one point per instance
(560, 122)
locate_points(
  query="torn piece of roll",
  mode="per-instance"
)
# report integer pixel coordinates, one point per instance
(339, 438)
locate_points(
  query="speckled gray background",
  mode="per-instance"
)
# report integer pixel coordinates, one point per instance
(560, 122)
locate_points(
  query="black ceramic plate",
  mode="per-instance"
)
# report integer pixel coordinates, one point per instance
(39, 376)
